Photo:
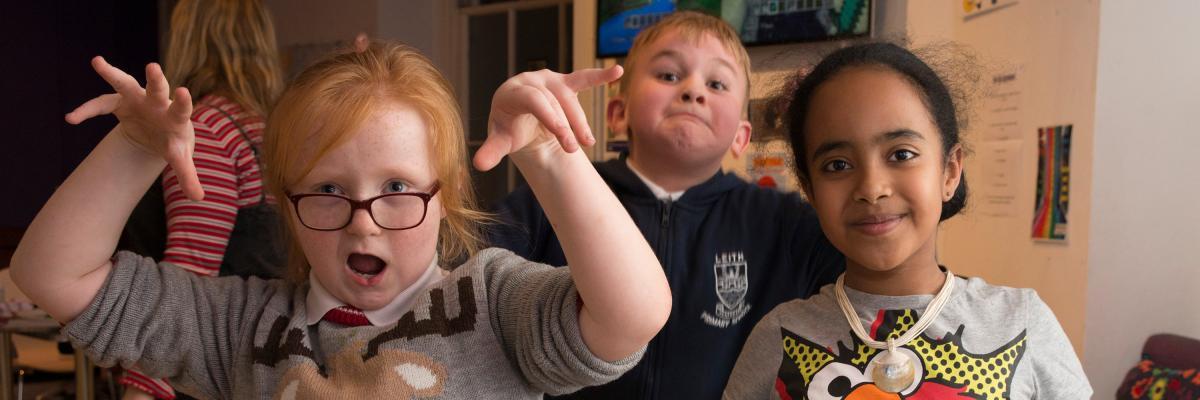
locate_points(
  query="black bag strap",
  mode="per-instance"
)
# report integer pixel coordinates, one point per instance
(262, 198)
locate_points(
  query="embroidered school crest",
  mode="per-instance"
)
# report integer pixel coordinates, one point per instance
(945, 369)
(731, 283)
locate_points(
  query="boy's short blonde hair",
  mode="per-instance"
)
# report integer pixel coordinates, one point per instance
(225, 46)
(692, 26)
(330, 99)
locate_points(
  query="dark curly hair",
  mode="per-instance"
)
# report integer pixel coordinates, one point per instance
(937, 97)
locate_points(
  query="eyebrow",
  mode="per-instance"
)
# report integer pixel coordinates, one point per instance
(668, 53)
(887, 137)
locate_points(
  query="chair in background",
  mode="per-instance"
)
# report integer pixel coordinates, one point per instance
(1169, 370)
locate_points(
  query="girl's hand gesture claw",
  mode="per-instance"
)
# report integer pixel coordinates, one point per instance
(149, 119)
(532, 110)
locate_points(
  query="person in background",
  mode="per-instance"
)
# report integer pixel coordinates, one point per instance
(224, 51)
(731, 250)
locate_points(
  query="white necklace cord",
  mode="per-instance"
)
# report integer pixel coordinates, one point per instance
(927, 317)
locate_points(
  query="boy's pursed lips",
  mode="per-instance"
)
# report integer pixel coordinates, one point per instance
(688, 113)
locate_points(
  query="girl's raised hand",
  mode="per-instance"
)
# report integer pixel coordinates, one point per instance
(149, 119)
(533, 109)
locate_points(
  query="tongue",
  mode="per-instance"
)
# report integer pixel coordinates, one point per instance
(365, 264)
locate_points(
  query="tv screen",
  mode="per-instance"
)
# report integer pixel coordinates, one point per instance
(757, 21)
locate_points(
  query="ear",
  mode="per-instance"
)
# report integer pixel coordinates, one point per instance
(952, 173)
(616, 116)
(741, 139)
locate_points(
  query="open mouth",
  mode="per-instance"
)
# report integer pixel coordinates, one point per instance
(365, 265)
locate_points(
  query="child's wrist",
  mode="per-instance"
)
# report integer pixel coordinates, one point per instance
(137, 156)
(546, 161)
(133, 147)
(540, 154)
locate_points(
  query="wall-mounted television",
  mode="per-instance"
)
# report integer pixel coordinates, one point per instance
(758, 21)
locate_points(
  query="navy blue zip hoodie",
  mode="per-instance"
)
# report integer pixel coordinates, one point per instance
(731, 252)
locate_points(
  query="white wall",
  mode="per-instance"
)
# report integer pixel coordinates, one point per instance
(1054, 43)
(320, 21)
(1144, 271)
(412, 22)
(431, 26)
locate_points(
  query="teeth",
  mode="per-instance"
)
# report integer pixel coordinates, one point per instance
(364, 275)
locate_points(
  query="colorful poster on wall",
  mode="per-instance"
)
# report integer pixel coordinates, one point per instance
(768, 169)
(975, 8)
(1053, 183)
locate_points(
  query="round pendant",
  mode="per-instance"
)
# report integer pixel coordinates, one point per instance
(893, 372)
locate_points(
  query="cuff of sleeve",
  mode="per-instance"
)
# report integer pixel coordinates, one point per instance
(570, 326)
(594, 368)
(87, 330)
(93, 330)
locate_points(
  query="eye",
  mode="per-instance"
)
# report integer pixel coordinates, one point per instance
(902, 155)
(834, 381)
(717, 85)
(668, 77)
(396, 187)
(328, 188)
(836, 166)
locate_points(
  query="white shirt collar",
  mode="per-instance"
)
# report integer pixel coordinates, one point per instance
(659, 192)
(320, 301)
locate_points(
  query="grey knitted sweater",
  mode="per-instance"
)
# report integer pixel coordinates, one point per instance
(497, 326)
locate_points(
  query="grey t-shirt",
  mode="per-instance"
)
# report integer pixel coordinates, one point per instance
(989, 342)
(497, 326)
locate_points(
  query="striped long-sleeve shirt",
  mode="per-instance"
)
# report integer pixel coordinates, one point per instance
(198, 232)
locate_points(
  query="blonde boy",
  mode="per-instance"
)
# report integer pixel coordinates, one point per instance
(731, 250)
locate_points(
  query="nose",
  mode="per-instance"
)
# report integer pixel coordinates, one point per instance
(874, 185)
(693, 90)
(361, 224)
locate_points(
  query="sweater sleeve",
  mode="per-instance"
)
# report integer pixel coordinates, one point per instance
(535, 313)
(170, 323)
(1056, 369)
(754, 374)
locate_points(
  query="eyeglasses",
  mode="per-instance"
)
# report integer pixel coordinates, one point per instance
(392, 211)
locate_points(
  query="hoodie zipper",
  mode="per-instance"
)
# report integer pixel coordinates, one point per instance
(664, 256)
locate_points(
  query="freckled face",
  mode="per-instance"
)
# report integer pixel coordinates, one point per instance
(877, 170)
(388, 153)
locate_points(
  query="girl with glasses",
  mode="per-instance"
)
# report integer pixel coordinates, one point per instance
(388, 288)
